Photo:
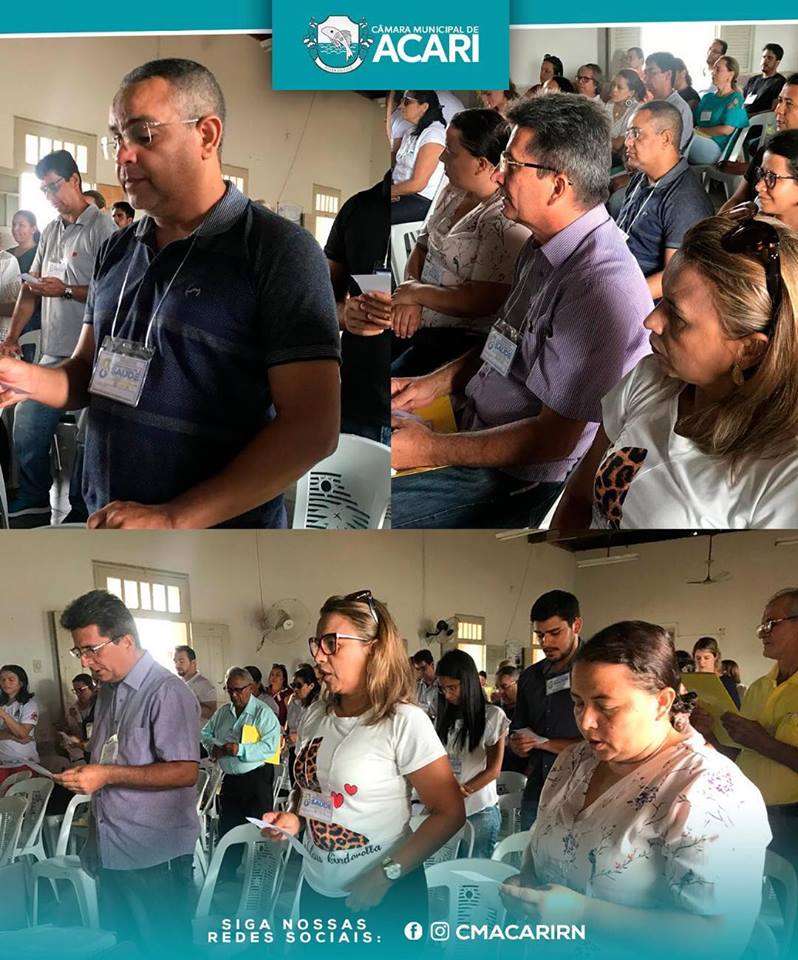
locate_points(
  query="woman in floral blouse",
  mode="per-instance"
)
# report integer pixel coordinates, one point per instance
(646, 834)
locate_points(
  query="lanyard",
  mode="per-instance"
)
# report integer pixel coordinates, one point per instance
(115, 725)
(160, 302)
(621, 225)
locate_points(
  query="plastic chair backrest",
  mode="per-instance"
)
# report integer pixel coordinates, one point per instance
(263, 872)
(33, 337)
(403, 239)
(510, 781)
(14, 778)
(469, 900)
(515, 843)
(37, 791)
(348, 490)
(203, 778)
(12, 813)
(781, 873)
(511, 803)
(461, 844)
(62, 844)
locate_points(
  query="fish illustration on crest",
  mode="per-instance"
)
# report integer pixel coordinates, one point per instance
(337, 43)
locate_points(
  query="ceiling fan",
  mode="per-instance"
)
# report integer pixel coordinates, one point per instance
(719, 578)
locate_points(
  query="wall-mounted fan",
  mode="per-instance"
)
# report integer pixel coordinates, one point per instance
(719, 577)
(285, 621)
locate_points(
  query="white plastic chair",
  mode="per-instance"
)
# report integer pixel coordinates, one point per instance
(37, 792)
(14, 778)
(468, 899)
(349, 490)
(510, 781)
(212, 775)
(66, 866)
(264, 865)
(780, 877)
(514, 844)
(510, 804)
(35, 338)
(282, 785)
(461, 844)
(12, 813)
(403, 239)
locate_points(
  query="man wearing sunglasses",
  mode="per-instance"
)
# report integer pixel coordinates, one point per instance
(209, 352)
(571, 326)
(786, 110)
(767, 727)
(62, 266)
(141, 777)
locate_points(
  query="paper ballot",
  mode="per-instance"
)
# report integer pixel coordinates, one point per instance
(289, 837)
(714, 698)
(38, 769)
(373, 282)
(529, 732)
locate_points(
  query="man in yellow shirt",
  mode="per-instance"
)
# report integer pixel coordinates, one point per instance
(767, 728)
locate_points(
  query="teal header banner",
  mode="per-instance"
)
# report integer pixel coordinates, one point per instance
(362, 45)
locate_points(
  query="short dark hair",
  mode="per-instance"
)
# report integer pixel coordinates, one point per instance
(508, 672)
(256, 675)
(59, 161)
(723, 45)
(125, 207)
(198, 87)
(24, 694)
(637, 51)
(792, 80)
(785, 144)
(559, 70)
(555, 603)
(666, 117)
(103, 610)
(634, 83)
(189, 652)
(483, 133)
(85, 678)
(775, 48)
(665, 61)
(421, 657)
(570, 135)
(98, 197)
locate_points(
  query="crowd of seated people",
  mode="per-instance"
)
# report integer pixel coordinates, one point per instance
(571, 353)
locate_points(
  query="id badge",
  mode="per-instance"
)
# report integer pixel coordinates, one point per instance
(457, 766)
(315, 806)
(121, 370)
(706, 115)
(110, 750)
(55, 268)
(500, 347)
(556, 684)
(750, 99)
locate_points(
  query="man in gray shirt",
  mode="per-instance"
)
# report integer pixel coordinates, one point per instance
(142, 778)
(659, 75)
(64, 263)
(571, 327)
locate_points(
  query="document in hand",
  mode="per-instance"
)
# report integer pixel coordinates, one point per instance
(714, 698)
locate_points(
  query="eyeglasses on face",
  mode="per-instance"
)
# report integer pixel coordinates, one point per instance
(766, 627)
(328, 642)
(89, 653)
(136, 134)
(364, 596)
(238, 690)
(760, 240)
(769, 178)
(406, 100)
(51, 189)
(506, 162)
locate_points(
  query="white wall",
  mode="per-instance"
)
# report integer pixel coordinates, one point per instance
(287, 140)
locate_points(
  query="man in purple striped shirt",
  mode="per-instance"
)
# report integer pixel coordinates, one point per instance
(571, 327)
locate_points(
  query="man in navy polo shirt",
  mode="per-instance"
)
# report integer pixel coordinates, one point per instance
(209, 351)
(665, 197)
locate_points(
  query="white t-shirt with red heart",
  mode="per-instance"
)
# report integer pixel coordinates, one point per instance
(362, 771)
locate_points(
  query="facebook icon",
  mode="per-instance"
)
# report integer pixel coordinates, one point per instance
(414, 930)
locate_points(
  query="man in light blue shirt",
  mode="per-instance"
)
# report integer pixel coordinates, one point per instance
(241, 736)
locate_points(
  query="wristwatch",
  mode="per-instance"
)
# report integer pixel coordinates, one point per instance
(68, 295)
(391, 869)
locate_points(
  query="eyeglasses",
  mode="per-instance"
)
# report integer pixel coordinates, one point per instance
(51, 189)
(581, 78)
(762, 240)
(766, 628)
(138, 134)
(79, 653)
(328, 642)
(232, 690)
(506, 161)
(364, 596)
(298, 685)
(406, 100)
(769, 177)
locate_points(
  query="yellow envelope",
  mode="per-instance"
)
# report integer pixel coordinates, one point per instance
(249, 733)
(439, 416)
(715, 699)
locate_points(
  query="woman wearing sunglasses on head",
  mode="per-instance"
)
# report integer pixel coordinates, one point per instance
(459, 272)
(704, 433)
(417, 172)
(360, 750)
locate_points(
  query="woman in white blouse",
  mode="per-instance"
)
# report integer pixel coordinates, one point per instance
(360, 751)
(474, 733)
(19, 714)
(417, 170)
(644, 831)
(704, 433)
(461, 268)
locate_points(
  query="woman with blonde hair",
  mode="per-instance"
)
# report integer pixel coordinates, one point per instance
(704, 433)
(719, 115)
(707, 658)
(361, 748)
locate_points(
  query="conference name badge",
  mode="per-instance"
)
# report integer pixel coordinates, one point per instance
(315, 806)
(110, 750)
(501, 347)
(556, 684)
(121, 370)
